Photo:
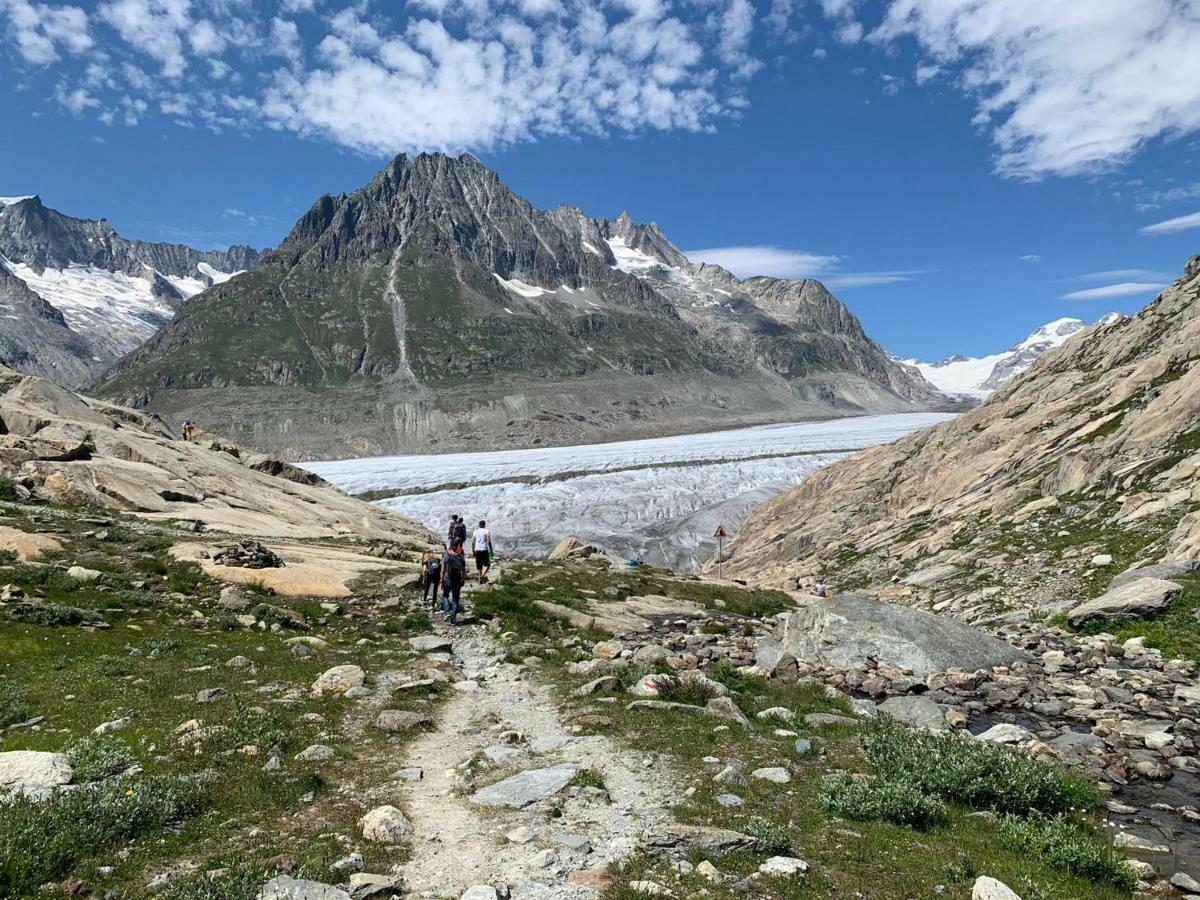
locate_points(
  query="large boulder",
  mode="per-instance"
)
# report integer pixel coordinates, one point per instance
(1172, 568)
(32, 771)
(1133, 598)
(845, 630)
(677, 841)
(573, 548)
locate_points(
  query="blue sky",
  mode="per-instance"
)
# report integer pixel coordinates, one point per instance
(958, 173)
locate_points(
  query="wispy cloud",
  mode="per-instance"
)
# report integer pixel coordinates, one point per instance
(1063, 88)
(746, 262)
(1170, 226)
(1124, 275)
(1030, 257)
(850, 280)
(1113, 291)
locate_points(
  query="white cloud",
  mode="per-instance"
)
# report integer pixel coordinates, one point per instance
(433, 74)
(1111, 291)
(1065, 88)
(1124, 275)
(746, 262)
(851, 280)
(1170, 226)
(1030, 257)
(155, 27)
(41, 31)
(820, 53)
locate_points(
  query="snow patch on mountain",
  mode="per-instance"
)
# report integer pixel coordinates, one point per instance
(976, 377)
(517, 286)
(11, 201)
(631, 260)
(121, 311)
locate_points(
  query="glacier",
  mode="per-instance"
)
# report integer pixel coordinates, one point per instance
(659, 499)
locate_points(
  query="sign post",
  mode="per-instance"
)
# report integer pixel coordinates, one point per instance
(720, 535)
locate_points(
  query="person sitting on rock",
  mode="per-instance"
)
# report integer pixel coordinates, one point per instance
(189, 430)
(819, 589)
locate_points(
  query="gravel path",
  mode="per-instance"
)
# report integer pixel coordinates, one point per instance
(503, 712)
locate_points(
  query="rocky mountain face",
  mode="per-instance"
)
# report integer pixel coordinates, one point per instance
(99, 295)
(976, 377)
(1083, 466)
(434, 308)
(63, 448)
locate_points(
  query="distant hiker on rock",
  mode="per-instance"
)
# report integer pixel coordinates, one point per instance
(458, 533)
(189, 429)
(431, 576)
(819, 588)
(450, 530)
(454, 574)
(482, 543)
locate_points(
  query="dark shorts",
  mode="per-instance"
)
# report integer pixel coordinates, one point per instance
(482, 558)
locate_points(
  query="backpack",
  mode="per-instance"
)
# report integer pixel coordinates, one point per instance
(456, 564)
(433, 566)
(459, 533)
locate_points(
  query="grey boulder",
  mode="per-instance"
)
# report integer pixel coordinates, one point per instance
(915, 712)
(526, 787)
(847, 629)
(285, 887)
(1133, 598)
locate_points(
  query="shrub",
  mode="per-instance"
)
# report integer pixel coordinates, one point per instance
(692, 691)
(7, 557)
(8, 489)
(773, 840)
(417, 621)
(40, 841)
(14, 706)
(593, 778)
(727, 674)
(99, 758)
(49, 615)
(975, 774)
(119, 535)
(870, 799)
(113, 666)
(233, 884)
(962, 869)
(155, 647)
(1067, 844)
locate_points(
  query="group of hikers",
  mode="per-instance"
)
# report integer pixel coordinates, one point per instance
(449, 571)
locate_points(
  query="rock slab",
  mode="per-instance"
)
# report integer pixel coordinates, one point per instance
(845, 630)
(526, 787)
(1133, 598)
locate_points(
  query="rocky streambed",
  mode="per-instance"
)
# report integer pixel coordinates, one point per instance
(1119, 710)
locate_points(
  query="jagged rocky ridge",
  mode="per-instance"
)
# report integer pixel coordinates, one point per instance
(76, 295)
(435, 308)
(1084, 465)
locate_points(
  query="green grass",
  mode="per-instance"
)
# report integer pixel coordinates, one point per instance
(99, 758)
(693, 691)
(1175, 631)
(589, 778)
(14, 704)
(8, 489)
(41, 840)
(1061, 841)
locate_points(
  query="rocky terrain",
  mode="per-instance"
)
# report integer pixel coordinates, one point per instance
(1028, 505)
(77, 296)
(433, 309)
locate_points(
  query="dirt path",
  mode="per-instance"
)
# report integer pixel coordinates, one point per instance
(457, 844)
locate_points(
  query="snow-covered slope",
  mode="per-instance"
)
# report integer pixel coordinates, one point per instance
(101, 295)
(978, 376)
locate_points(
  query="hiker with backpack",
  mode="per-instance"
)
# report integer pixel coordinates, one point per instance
(454, 574)
(458, 532)
(431, 576)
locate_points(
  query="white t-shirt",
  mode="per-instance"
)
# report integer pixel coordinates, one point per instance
(481, 538)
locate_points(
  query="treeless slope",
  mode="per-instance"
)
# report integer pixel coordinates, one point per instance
(1096, 447)
(66, 448)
